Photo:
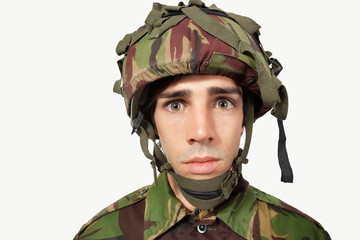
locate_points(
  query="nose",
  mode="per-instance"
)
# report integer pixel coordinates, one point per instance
(200, 127)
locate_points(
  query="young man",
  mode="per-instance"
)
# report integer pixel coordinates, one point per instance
(194, 79)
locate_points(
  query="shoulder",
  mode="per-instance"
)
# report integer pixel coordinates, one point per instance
(107, 219)
(285, 220)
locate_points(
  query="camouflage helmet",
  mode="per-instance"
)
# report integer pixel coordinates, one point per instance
(195, 39)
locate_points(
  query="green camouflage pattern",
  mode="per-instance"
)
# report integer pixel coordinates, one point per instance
(251, 214)
(160, 49)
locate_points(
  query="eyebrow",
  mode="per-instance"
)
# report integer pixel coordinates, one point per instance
(219, 90)
(186, 93)
(181, 93)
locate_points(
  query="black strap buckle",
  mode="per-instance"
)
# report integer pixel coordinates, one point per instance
(276, 66)
(138, 121)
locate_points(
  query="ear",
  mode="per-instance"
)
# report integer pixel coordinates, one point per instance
(242, 130)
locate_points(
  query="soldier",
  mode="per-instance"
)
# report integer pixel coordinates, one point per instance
(194, 78)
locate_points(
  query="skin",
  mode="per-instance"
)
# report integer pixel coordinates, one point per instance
(199, 122)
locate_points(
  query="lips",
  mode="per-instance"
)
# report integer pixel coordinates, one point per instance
(205, 165)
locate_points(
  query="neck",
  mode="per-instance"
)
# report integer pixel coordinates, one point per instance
(178, 193)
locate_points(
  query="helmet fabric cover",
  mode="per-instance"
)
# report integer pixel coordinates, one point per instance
(195, 39)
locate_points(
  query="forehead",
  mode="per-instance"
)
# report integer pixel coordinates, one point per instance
(194, 82)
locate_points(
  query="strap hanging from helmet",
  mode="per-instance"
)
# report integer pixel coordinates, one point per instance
(286, 170)
(249, 121)
(146, 133)
(280, 112)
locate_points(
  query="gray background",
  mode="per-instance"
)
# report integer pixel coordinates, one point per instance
(65, 146)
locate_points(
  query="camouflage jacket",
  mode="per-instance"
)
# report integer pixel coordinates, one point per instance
(155, 213)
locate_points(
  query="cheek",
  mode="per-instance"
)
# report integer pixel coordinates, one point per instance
(168, 131)
(169, 126)
(169, 138)
(230, 130)
(231, 124)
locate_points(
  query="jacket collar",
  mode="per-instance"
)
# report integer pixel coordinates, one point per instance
(163, 209)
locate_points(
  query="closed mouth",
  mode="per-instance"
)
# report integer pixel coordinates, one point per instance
(201, 166)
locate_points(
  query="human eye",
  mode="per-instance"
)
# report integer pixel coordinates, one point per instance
(224, 104)
(174, 106)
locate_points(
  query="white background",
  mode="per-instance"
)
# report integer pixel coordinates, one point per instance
(65, 146)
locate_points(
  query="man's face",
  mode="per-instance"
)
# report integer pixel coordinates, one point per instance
(199, 122)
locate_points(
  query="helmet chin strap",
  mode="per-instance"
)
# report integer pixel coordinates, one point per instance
(202, 194)
(207, 193)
